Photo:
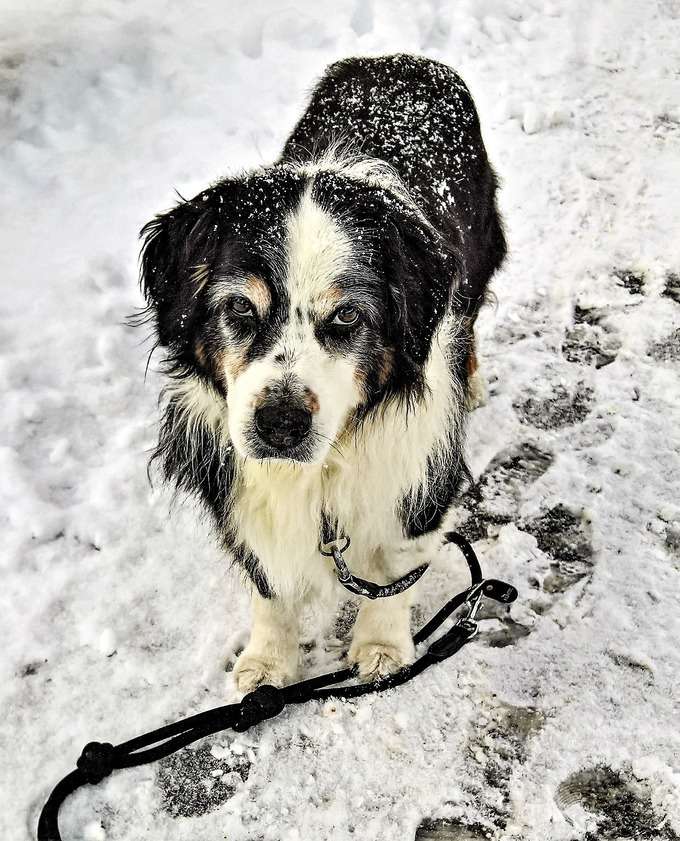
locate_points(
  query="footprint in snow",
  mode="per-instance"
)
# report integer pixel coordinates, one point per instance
(452, 831)
(622, 809)
(565, 558)
(589, 341)
(498, 745)
(666, 350)
(194, 782)
(560, 409)
(497, 494)
(671, 287)
(562, 536)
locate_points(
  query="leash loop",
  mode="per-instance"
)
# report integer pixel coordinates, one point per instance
(333, 544)
(461, 631)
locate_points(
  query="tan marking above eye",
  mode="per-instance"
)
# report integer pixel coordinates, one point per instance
(327, 301)
(257, 291)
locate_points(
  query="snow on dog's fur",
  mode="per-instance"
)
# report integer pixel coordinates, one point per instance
(318, 315)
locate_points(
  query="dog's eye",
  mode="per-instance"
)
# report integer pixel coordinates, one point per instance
(346, 316)
(241, 306)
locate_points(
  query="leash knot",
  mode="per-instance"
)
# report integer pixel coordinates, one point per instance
(264, 702)
(96, 761)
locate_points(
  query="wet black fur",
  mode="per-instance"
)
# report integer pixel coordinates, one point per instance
(416, 267)
(419, 116)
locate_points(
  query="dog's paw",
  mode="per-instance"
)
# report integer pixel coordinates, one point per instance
(251, 671)
(378, 659)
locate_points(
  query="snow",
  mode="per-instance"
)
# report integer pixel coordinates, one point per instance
(117, 611)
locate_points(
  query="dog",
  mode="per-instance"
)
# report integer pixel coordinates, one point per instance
(317, 316)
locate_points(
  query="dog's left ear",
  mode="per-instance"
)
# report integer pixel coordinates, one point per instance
(175, 261)
(422, 272)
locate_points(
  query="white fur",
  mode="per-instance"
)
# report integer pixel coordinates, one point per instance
(271, 655)
(381, 641)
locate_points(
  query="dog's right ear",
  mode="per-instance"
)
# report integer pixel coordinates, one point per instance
(176, 261)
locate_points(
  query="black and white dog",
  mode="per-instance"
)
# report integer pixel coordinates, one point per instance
(318, 317)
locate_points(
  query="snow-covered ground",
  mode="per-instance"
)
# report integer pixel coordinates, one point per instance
(561, 720)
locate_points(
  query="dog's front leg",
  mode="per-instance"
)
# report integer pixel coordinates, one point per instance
(271, 655)
(381, 640)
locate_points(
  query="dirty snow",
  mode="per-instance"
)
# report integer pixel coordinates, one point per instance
(561, 720)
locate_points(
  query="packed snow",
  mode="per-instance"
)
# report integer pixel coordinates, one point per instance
(117, 611)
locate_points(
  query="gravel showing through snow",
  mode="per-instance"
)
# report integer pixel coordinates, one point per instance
(117, 611)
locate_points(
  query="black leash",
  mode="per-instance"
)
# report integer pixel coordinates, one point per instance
(99, 759)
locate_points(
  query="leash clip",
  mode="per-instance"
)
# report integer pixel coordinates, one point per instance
(453, 640)
(461, 631)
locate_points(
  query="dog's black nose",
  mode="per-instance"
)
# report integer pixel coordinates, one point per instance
(282, 424)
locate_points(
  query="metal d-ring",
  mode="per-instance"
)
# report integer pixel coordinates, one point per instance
(345, 577)
(334, 544)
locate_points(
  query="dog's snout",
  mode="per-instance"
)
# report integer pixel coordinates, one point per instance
(283, 424)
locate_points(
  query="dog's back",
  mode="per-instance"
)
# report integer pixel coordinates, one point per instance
(417, 115)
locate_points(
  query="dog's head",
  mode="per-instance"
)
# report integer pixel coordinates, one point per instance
(304, 297)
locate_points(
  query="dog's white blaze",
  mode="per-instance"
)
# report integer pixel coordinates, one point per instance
(317, 251)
